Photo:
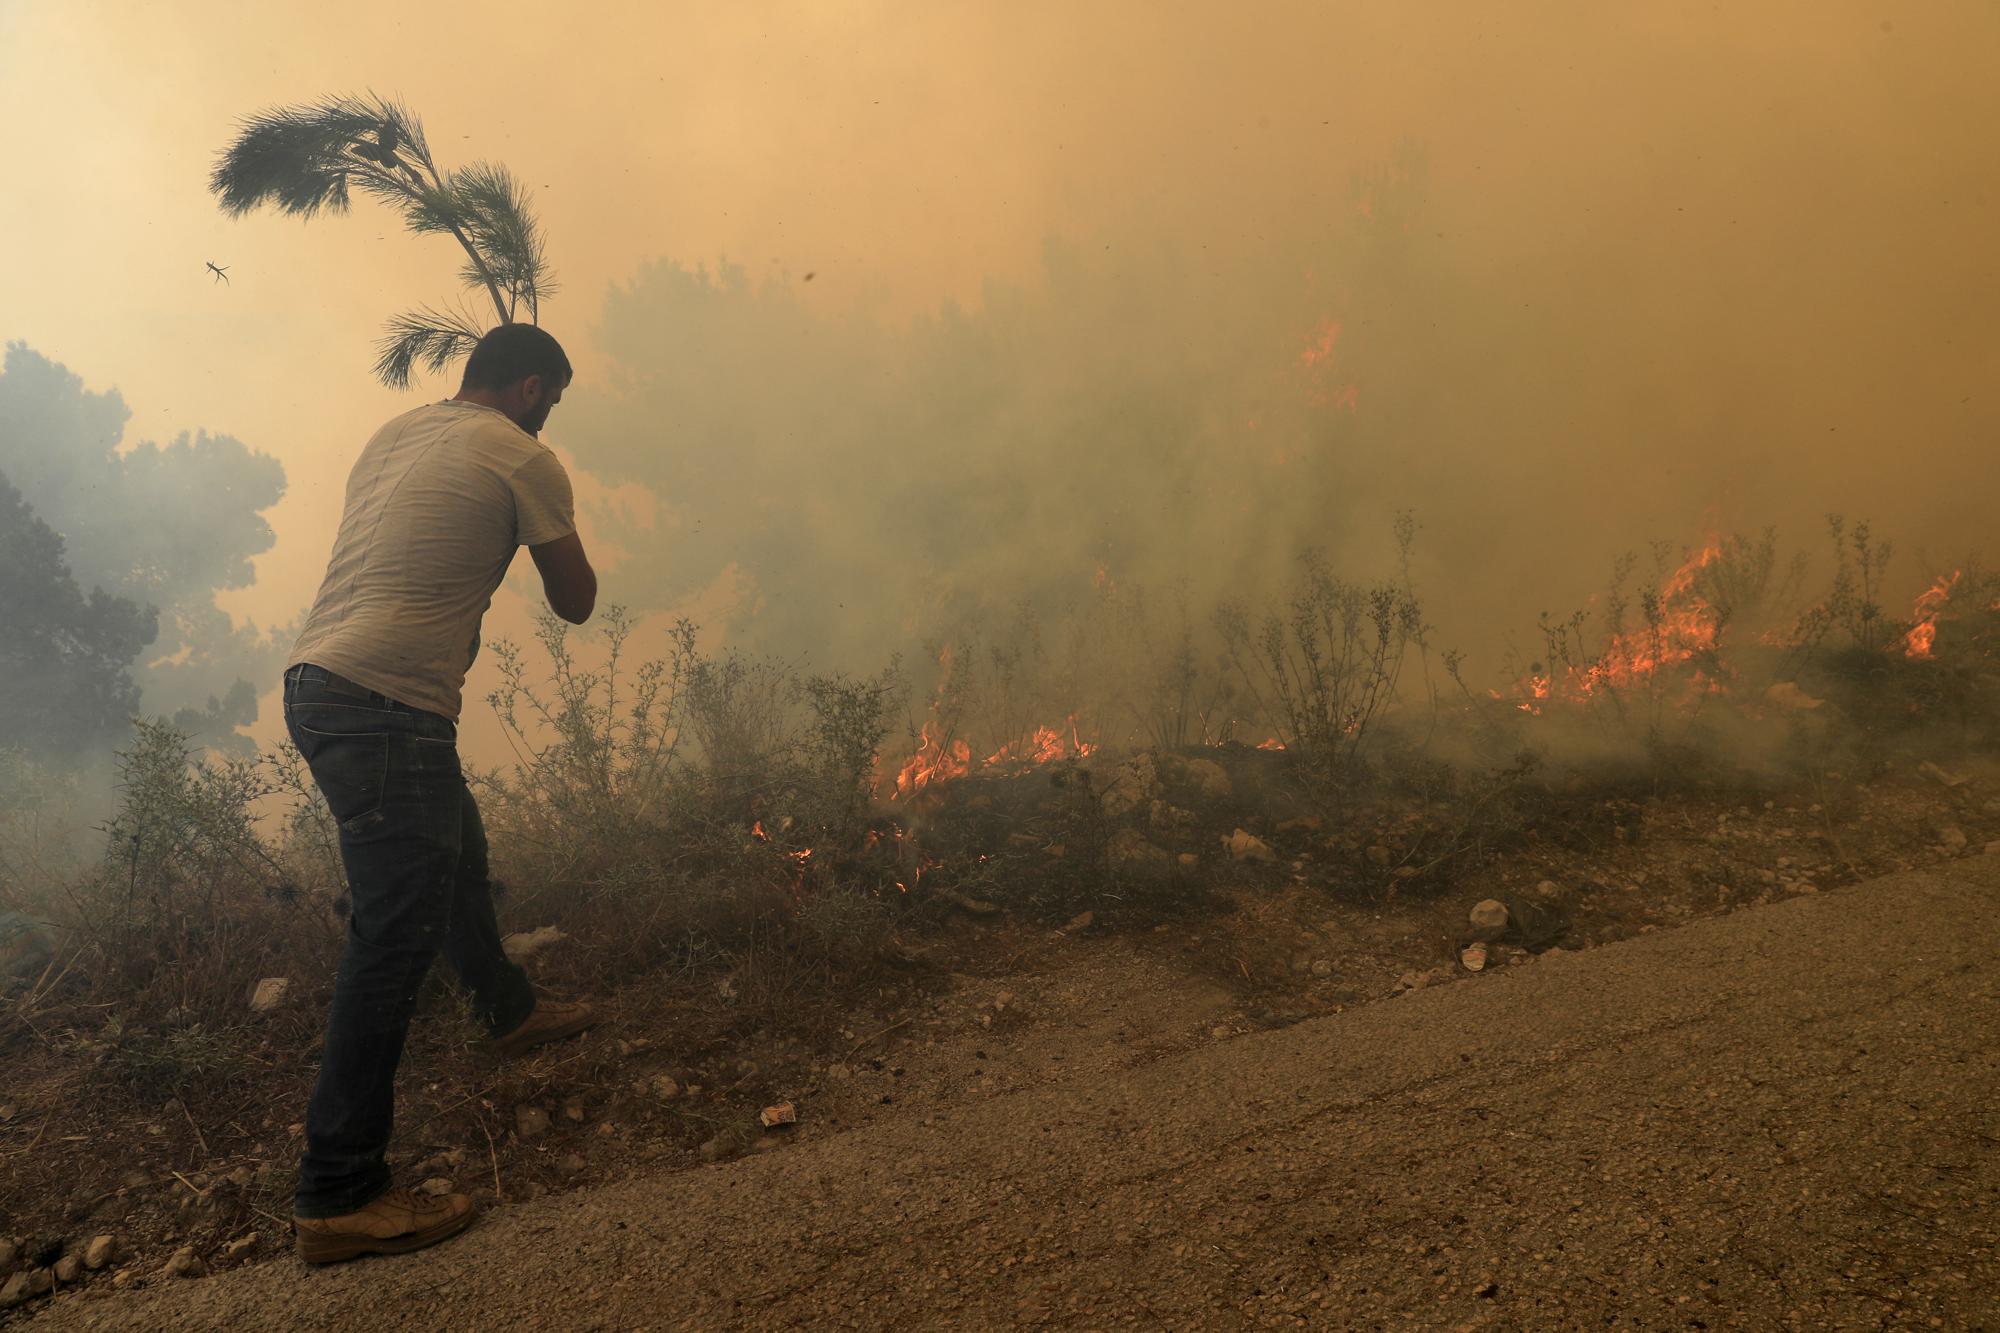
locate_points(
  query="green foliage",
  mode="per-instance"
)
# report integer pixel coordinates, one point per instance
(189, 903)
(183, 831)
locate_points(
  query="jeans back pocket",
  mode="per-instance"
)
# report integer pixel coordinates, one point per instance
(351, 768)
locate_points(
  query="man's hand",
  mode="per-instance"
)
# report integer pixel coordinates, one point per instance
(567, 578)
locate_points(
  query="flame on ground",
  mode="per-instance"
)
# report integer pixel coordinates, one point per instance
(1923, 634)
(935, 761)
(1680, 627)
(1045, 746)
(940, 760)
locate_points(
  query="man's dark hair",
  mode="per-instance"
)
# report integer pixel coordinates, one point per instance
(512, 352)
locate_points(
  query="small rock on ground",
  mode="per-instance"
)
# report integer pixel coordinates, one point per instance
(99, 1252)
(1247, 846)
(1489, 916)
(530, 1121)
(1210, 777)
(184, 1263)
(269, 994)
(1129, 851)
(16, 1288)
(525, 944)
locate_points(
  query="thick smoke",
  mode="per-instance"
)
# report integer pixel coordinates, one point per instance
(1134, 414)
(1654, 269)
(1142, 413)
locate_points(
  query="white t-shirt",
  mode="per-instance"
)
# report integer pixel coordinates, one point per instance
(436, 506)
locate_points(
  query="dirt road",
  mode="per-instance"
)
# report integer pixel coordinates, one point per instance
(1784, 1117)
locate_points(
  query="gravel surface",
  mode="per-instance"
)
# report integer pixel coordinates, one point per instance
(1786, 1117)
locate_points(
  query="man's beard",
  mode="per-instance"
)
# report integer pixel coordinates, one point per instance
(536, 417)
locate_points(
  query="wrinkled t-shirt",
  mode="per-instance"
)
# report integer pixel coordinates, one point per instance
(436, 506)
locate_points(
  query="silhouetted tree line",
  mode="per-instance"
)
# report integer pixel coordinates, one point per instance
(114, 557)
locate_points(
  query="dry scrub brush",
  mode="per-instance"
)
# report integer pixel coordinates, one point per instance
(688, 812)
(1321, 669)
(163, 939)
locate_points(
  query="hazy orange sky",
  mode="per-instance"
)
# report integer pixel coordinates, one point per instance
(1793, 200)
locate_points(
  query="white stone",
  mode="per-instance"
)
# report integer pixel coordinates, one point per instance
(269, 994)
(525, 944)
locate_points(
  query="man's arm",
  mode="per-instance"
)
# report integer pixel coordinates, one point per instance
(567, 578)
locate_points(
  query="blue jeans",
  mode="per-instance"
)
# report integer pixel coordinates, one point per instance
(415, 855)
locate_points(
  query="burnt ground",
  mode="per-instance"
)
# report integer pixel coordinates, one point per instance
(975, 1005)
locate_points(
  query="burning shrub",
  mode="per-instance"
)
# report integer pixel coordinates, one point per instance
(1713, 668)
(1932, 675)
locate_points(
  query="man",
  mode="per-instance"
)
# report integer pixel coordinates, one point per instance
(435, 508)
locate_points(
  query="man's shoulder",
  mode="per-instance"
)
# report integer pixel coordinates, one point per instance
(500, 440)
(481, 437)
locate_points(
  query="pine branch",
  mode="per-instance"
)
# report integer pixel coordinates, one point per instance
(423, 336)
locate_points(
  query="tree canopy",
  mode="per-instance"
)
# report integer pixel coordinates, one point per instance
(162, 526)
(67, 658)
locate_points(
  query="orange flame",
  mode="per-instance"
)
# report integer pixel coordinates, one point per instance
(934, 761)
(1321, 346)
(1682, 627)
(1923, 634)
(1045, 746)
(1318, 357)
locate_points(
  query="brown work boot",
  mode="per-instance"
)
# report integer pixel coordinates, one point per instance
(552, 1020)
(396, 1223)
